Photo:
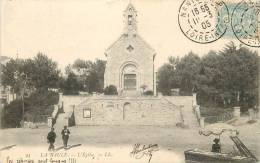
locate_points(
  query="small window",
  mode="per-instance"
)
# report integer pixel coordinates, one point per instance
(130, 19)
(87, 113)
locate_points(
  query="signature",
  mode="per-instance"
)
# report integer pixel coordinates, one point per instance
(140, 151)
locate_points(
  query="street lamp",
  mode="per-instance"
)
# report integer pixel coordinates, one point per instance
(21, 78)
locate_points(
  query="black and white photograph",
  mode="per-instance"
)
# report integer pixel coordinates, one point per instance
(129, 81)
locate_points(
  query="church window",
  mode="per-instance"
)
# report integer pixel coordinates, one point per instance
(130, 48)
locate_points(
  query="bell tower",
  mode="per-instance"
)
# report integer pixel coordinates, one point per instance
(130, 59)
(130, 15)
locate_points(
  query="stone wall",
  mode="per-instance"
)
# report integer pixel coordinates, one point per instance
(127, 111)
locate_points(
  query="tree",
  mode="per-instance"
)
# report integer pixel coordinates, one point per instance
(167, 76)
(179, 73)
(12, 74)
(225, 78)
(37, 104)
(43, 72)
(39, 72)
(89, 76)
(208, 79)
(188, 69)
(239, 71)
(99, 67)
(26, 76)
(71, 85)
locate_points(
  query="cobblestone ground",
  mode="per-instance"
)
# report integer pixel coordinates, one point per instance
(119, 141)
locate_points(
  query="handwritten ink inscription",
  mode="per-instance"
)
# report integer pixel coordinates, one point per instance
(139, 151)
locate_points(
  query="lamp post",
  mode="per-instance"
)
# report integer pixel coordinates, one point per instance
(21, 78)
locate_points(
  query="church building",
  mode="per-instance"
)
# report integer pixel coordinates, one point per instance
(130, 67)
(130, 60)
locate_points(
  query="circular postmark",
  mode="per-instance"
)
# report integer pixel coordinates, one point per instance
(203, 21)
(245, 22)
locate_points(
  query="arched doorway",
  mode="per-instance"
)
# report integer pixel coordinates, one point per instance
(129, 77)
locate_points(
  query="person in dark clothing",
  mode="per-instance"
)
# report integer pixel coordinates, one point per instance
(216, 146)
(65, 136)
(51, 139)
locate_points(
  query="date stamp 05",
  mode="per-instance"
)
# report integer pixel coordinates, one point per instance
(206, 21)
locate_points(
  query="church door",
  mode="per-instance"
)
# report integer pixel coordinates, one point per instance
(129, 81)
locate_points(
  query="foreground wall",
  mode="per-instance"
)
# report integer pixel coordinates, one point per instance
(127, 111)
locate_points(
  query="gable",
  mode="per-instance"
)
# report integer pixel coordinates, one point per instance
(129, 44)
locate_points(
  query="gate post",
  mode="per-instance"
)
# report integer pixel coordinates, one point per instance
(49, 122)
(236, 112)
(202, 122)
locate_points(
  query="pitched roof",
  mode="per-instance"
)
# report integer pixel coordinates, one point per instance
(124, 35)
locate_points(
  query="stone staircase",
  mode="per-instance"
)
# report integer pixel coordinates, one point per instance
(187, 111)
(165, 104)
(68, 103)
(61, 121)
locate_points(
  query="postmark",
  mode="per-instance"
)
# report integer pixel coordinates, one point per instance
(203, 21)
(245, 22)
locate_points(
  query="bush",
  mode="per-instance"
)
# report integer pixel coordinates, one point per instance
(13, 114)
(110, 90)
(36, 106)
(148, 93)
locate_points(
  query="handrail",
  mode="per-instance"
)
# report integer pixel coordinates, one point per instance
(178, 107)
(242, 148)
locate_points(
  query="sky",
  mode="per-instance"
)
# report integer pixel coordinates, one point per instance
(66, 30)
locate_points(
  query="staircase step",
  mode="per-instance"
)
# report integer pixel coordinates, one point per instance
(185, 103)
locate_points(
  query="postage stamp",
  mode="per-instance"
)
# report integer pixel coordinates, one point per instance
(245, 22)
(203, 21)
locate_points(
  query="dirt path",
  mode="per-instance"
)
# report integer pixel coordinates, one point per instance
(169, 139)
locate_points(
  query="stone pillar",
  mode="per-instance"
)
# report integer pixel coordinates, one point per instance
(155, 84)
(1, 115)
(60, 99)
(49, 121)
(236, 112)
(256, 112)
(194, 99)
(202, 122)
(251, 114)
(197, 111)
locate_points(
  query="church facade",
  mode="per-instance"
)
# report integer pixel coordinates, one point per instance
(130, 67)
(130, 60)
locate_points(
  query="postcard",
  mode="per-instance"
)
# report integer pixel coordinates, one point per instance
(129, 81)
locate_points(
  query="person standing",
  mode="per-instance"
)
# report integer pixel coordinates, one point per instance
(51, 139)
(216, 146)
(65, 136)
